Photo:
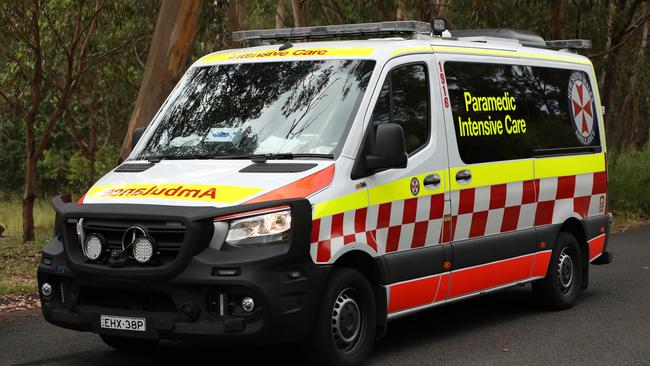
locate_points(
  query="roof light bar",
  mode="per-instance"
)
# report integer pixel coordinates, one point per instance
(406, 28)
(572, 44)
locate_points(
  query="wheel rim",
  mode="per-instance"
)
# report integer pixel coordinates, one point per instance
(347, 321)
(565, 271)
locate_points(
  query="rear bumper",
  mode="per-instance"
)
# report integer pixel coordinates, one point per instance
(199, 302)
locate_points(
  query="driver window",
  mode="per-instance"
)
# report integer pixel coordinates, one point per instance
(404, 99)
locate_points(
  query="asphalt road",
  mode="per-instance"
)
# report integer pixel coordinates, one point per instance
(609, 325)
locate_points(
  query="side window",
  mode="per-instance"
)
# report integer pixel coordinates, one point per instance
(404, 99)
(507, 112)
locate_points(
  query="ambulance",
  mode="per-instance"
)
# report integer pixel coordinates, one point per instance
(310, 190)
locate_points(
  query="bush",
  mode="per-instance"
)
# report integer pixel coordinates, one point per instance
(629, 183)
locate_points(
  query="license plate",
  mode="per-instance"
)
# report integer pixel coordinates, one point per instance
(123, 323)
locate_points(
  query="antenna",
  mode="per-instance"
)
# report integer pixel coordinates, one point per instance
(288, 43)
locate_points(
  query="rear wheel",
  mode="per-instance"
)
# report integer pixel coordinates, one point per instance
(561, 286)
(345, 325)
(129, 344)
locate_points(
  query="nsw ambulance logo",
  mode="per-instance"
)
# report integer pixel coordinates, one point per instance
(582, 108)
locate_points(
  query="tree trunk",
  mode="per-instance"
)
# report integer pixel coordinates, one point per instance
(170, 50)
(233, 19)
(401, 10)
(638, 138)
(280, 15)
(298, 8)
(442, 8)
(557, 14)
(29, 195)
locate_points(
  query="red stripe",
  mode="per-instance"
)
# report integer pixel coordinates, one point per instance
(347, 239)
(371, 240)
(581, 205)
(544, 213)
(510, 218)
(383, 220)
(337, 226)
(600, 183)
(596, 246)
(420, 234)
(541, 263)
(360, 220)
(315, 230)
(443, 287)
(491, 275)
(531, 187)
(300, 188)
(413, 293)
(392, 242)
(324, 251)
(437, 209)
(479, 220)
(498, 196)
(466, 201)
(565, 187)
(410, 210)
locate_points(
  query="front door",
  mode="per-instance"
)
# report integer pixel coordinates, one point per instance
(409, 204)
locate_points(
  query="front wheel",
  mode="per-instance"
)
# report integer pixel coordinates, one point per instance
(345, 325)
(559, 289)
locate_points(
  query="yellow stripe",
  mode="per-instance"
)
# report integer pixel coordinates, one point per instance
(494, 173)
(401, 189)
(348, 202)
(490, 52)
(192, 192)
(393, 191)
(293, 52)
(569, 165)
(417, 49)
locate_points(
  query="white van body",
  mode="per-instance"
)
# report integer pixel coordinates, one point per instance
(439, 229)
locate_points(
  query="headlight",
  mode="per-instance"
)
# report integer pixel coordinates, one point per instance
(261, 229)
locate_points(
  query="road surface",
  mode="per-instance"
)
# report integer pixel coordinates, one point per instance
(609, 325)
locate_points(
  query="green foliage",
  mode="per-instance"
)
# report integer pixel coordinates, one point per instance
(629, 183)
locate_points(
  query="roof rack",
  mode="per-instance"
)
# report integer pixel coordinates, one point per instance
(406, 28)
(525, 38)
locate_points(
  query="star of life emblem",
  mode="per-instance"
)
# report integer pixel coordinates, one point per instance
(581, 106)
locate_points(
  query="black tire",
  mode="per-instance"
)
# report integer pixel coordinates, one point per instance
(127, 344)
(346, 321)
(561, 286)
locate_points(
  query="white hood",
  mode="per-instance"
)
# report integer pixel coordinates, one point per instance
(216, 183)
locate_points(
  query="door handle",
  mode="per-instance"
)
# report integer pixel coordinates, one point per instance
(463, 176)
(431, 181)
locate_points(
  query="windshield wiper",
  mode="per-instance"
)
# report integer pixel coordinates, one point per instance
(261, 158)
(159, 157)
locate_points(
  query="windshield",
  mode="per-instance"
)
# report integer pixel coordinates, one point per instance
(273, 108)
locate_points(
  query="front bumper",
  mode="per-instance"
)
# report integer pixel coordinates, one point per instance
(199, 300)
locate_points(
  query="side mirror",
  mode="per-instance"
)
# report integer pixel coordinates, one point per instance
(137, 134)
(390, 148)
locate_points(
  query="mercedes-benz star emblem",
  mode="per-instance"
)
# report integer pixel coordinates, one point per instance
(131, 235)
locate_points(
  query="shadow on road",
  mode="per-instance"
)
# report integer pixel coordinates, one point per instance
(462, 319)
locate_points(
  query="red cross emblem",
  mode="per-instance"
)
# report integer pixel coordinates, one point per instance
(415, 186)
(583, 115)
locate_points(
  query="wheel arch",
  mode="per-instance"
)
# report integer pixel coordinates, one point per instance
(374, 270)
(576, 228)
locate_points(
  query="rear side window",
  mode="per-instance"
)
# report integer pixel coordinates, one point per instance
(404, 99)
(506, 112)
